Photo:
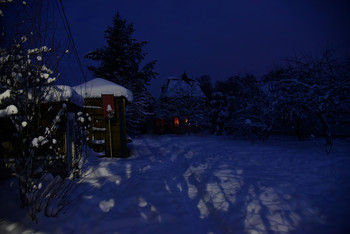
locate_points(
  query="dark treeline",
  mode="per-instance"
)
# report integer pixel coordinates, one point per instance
(305, 97)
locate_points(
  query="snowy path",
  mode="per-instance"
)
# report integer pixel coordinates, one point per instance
(208, 184)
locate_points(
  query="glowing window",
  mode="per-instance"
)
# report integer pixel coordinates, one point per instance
(176, 121)
(187, 121)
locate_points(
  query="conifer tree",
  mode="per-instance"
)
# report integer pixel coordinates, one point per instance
(120, 63)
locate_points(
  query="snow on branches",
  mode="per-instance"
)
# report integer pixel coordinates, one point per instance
(26, 73)
(311, 94)
(10, 110)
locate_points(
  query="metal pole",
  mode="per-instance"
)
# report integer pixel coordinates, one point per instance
(110, 137)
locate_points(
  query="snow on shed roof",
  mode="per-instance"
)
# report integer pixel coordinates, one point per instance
(98, 86)
(61, 93)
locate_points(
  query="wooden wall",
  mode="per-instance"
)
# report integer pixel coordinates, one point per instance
(99, 133)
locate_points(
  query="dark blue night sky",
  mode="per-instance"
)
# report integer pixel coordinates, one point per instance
(216, 38)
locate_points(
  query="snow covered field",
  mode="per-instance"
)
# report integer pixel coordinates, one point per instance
(203, 184)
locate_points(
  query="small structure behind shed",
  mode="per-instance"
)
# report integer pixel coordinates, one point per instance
(180, 106)
(107, 133)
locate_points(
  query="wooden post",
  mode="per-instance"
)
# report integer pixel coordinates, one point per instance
(122, 124)
(110, 137)
(109, 111)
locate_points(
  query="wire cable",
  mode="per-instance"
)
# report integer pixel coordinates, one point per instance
(70, 36)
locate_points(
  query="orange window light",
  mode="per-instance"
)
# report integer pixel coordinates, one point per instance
(176, 122)
(187, 121)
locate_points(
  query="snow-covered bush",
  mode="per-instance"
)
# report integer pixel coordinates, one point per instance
(50, 194)
(26, 71)
(240, 107)
(217, 113)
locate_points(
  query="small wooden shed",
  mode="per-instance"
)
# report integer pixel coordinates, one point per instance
(105, 102)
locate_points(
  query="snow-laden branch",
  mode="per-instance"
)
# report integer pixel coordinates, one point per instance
(295, 81)
(10, 110)
(5, 95)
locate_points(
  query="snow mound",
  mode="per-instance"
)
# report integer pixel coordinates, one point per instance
(98, 86)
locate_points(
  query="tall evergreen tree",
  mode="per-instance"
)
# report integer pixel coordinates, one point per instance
(120, 62)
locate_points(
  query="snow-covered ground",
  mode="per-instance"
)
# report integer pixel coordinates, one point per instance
(203, 184)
